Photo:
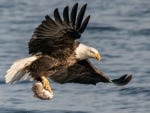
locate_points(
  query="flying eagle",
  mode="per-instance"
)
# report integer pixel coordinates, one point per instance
(56, 53)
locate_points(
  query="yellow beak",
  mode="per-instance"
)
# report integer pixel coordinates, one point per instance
(98, 56)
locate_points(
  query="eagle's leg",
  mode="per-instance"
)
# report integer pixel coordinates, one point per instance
(46, 84)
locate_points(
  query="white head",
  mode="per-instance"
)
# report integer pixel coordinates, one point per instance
(85, 52)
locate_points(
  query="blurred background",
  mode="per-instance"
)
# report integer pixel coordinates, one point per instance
(119, 29)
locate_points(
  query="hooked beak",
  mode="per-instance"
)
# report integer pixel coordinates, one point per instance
(98, 56)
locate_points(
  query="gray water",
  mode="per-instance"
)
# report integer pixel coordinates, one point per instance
(119, 29)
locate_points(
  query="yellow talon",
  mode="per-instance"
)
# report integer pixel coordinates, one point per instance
(46, 84)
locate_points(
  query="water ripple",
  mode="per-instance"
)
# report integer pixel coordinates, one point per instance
(103, 28)
(119, 29)
(8, 110)
(135, 91)
(144, 32)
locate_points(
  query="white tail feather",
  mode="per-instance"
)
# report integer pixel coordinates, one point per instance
(18, 71)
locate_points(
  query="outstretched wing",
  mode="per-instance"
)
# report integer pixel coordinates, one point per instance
(85, 73)
(53, 36)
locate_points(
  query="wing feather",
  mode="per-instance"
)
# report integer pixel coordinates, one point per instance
(57, 16)
(66, 14)
(84, 24)
(85, 73)
(57, 36)
(50, 22)
(80, 16)
(74, 14)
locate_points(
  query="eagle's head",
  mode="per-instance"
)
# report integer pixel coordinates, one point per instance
(85, 52)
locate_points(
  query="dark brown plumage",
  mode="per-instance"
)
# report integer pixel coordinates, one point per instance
(57, 37)
(55, 40)
(54, 52)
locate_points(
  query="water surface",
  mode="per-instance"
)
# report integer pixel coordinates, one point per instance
(119, 29)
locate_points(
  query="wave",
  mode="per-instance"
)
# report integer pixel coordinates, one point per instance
(144, 32)
(103, 28)
(135, 91)
(9, 110)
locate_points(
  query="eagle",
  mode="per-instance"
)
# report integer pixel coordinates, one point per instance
(57, 54)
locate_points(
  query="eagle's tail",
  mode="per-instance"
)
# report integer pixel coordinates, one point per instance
(18, 71)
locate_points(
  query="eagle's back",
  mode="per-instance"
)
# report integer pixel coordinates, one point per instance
(56, 69)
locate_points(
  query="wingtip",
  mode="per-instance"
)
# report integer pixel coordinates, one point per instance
(56, 9)
(66, 14)
(123, 80)
(81, 16)
(57, 16)
(75, 5)
(85, 5)
(84, 24)
(46, 16)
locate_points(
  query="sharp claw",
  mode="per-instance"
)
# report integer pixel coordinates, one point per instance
(46, 84)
